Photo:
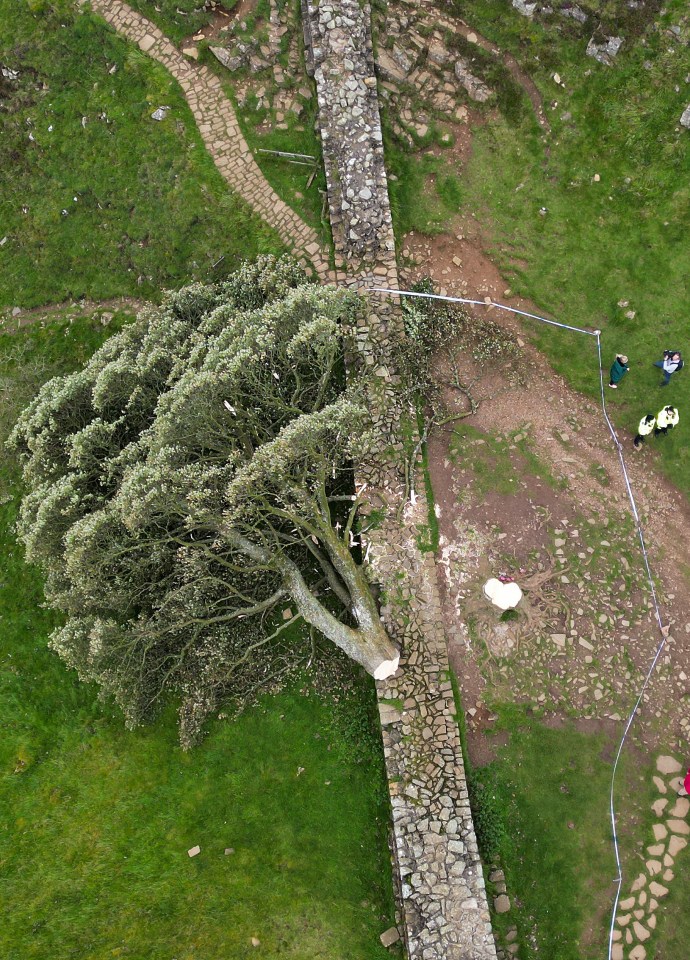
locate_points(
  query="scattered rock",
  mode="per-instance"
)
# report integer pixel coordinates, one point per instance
(232, 62)
(604, 52)
(476, 89)
(194, 851)
(685, 118)
(390, 936)
(191, 52)
(160, 114)
(526, 9)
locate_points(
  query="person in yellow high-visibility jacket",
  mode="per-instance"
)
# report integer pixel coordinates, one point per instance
(645, 427)
(666, 419)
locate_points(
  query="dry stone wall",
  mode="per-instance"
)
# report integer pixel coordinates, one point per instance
(445, 914)
(341, 58)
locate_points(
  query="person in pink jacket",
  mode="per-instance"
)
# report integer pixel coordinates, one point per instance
(685, 789)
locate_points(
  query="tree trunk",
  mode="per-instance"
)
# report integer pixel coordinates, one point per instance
(369, 644)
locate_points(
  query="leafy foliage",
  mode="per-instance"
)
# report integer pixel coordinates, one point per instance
(191, 477)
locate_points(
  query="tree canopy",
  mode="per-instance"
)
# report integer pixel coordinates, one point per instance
(194, 476)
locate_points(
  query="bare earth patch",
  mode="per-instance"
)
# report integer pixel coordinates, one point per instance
(530, 486)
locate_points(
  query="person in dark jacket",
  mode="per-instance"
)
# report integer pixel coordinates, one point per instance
(619, 368)
(670, 364)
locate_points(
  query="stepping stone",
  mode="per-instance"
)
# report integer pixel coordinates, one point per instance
(624, 920)
(639, 882)
(651, 921)
(676, 784)
(617, 952)
(641, 932)
(627, 904)
(642, 899)
(638, 914)
(678, 826)
(653, 867)
(638, 953)
(389, 937)
(502, 904)
(659, 784)
(660, 831)
(656, 850)
(681, 808)
(659, 805)
(668, 861)
(668, 765)
(657, 890)
(675, 845)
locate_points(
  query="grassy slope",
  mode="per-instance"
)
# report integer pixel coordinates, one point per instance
(621, 238)
(98, 820)
(151, 210)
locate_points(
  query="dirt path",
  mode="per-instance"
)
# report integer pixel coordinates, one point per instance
(11, 322)
(578, 522)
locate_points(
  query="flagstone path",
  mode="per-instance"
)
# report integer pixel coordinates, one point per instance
(637, 913)
(220, 130)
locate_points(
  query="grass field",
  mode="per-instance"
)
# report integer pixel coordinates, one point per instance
(610, 251)
(104, 201)
(98, 821)
(544, 809)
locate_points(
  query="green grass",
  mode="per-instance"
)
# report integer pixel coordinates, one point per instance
(145, 207)
(552, 787)
(98, 820)
(601, 242)
(178, 19)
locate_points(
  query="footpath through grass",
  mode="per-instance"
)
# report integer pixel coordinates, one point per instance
(96, 198)
(98, 821)
(542, 810)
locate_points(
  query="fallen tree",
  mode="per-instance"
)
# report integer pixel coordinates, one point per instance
(192, 478)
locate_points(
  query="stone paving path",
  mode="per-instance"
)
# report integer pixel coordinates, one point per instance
(220, 131)
(445, 913)
(637, 913)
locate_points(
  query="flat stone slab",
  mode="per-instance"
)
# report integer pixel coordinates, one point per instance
(390, 936)
(660, 831)
(675, 845)
(668, 765)
(678, 826)
(194, 851)
(681, 808)
(502, 904)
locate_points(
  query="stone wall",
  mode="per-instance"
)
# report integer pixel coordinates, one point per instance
(341, 57)
(444, 909)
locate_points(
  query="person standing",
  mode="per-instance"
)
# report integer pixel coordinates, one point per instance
(666, 419)
(644, 428)
(685, 789)
(619, 368)
(670, 364)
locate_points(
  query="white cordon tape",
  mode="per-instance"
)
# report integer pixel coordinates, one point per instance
(633, 506)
